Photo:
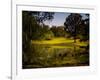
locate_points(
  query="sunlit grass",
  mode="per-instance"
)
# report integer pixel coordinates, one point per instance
(81, 43)
(60, 40)
(53, 41)
(70, 47)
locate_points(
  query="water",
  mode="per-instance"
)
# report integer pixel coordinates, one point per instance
(43, 56)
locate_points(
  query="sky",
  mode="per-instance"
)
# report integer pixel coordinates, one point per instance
(59, 19)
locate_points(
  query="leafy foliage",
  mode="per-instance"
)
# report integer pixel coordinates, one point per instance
(59, 31)
(77, 26)
(32, 23)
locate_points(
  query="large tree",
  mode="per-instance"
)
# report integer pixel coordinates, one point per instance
(72, 23)
(78, 25)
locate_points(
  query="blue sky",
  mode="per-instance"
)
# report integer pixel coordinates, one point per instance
(59, 19)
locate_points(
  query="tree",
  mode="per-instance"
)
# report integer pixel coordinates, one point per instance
(72, 24)
(58, 31)
(31, 24)
(78, 26)
(46, 33)
(84, 28)
(42, 16)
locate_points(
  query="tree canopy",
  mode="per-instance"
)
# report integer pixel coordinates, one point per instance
(76, 25)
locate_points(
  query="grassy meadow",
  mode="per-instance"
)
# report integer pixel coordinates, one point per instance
(59, 41)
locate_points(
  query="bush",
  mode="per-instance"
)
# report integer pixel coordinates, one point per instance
(48, 36)
(83, 37)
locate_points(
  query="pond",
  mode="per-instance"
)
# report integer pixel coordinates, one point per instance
(45, 56)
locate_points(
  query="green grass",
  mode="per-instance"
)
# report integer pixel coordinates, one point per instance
(53, 41)
(60, 41)
(69, 47)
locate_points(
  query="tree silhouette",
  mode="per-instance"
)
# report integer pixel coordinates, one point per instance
(72, 23)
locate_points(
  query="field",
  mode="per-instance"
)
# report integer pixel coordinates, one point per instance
(59, 41)
(57, 52)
